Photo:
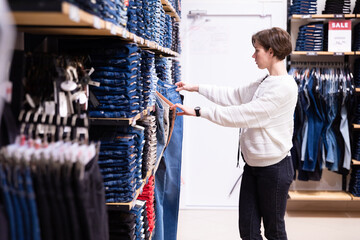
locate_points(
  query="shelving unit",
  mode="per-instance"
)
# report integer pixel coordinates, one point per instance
(170, 10)
(321, 200)
(68, 19)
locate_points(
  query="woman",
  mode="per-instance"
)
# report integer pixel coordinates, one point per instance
(264, 111)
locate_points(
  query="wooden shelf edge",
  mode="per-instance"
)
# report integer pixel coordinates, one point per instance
(356, 126)
(326, 16)
(170, 10)
(355, 162)
(354, 198)
(316, 196)
(323, 53)
(70, 17)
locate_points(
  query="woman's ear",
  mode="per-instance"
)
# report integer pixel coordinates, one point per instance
(271, 52)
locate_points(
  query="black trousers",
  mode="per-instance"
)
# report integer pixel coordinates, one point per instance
(263, 194)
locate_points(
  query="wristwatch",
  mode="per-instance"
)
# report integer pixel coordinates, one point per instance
(197, 111)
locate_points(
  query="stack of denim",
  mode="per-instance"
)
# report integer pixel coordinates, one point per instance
(168, 32)
(337, 7)
(176, 71)
(162, 27)
(163, 69)
(354, 185)
(310, 37)
(303, 7)
(149, 14)
(176, 44)
(148, 196)
(120, 162)
(357, 7)
(132, 15)
(116, 69)
(356, 38)
(114, 11)
(128, 225)
(156, 11)
(140, 19)
(149, 152)
(147, 74)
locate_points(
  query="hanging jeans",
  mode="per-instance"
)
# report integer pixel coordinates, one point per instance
(167, 177)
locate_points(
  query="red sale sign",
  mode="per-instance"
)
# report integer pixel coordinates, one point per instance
(339, 36)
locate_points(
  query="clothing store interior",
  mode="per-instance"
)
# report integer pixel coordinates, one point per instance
(117, 119)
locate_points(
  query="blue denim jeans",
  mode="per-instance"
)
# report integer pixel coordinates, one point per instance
(167, 177)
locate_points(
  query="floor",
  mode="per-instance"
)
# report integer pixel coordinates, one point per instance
(222, 225)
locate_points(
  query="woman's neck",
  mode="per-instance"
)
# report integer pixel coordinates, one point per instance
(277, 68)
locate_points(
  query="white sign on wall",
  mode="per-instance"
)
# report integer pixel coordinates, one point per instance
(339, 36)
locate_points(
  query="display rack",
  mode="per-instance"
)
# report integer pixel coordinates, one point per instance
(321, 200)
(68, 19)
(170, 10)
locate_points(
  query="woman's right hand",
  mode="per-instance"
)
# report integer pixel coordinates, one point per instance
(187, 87)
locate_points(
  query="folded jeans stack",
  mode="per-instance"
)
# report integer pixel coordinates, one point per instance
(356, 38)
(354, 185)
(149, 152)
(116, 69)
(176, 44)
(303, 7)
(176, 71)
(120, 162)
(337, 7)
(310, 37)
(128, 225)
(149, 78)
(357, 76)
(114, 11)
(163, 69)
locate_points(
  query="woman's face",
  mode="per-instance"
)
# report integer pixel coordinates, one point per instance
(261, 56)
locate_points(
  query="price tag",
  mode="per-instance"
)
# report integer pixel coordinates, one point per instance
(135, 40)
(113, 29)
(311, 54)
(93, 83)
(339, 53)
(339, 16)
(306, 16)
(142, 40)
(124, 33)
(74, 13)
(97, 22)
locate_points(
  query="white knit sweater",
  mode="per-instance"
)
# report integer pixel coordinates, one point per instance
(264, 111)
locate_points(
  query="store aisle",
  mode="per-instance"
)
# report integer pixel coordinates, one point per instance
(222, 224)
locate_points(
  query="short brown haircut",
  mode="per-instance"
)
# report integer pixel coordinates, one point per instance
(275, 38)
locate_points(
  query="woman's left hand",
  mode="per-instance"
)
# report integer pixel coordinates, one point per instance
(185, 110)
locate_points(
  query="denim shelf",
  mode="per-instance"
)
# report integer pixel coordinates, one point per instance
(323, 53)
(323, 16)
(322, 200)
(129, 205)
(170, 10)
(120, 121)
(67, 19)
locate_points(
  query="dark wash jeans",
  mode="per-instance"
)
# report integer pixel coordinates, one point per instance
(263, 194)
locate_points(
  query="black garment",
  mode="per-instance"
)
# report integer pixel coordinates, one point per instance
(43, 206)
(67, 188)
(263, 195)
(4, 225)
(90, 201)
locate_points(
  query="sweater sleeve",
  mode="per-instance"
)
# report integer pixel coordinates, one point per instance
(259, 113)
(227, 96)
